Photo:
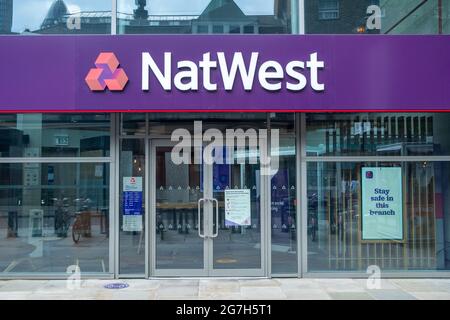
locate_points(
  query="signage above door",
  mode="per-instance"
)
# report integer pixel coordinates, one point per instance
(167, 73)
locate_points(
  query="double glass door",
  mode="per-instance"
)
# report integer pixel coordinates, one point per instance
(206, 219)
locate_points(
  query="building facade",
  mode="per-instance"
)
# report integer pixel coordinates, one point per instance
(6, 11)
(349, 169)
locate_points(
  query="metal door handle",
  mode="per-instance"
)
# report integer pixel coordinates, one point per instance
(199, 218)
(215, 234)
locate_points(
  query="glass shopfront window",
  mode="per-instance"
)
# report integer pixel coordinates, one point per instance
(204, 16)
(284, 197)
(133, 124)
(378, 134)
(30, 17)
(54, 135)
(346, 198)
(132, 234)
(54, 217)
(166, 123)
(377, 17)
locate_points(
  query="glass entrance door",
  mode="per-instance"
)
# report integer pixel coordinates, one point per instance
(206, 218)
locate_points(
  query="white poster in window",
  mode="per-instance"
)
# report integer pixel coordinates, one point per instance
(237, 207)
(382, 204)
(132, 204)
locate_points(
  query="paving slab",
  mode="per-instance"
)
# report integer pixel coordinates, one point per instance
(22, 285)
(350, 296)
(418, 285)
(431, 295)
(299, 284)
(227, 289)
(260, 283)
(305, 294)
(262, 293)
(177, 291)
(390, 295)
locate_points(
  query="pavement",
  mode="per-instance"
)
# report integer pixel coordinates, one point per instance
(226, 289)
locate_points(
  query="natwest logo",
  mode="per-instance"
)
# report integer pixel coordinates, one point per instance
(107, 74)
(271, 75)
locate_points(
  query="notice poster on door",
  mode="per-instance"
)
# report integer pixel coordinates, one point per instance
(132, 204)
(382, 204)
(237, 207)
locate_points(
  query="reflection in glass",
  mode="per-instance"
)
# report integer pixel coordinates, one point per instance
(54, 135)
(237, 246)
(334, 226)
(388, 17)
(204, 16)
(166, 123)
(56, 16)
(6, 15)
(283, 198)
(178, 190)
(132, 243)
(132, 124)
(380, 134)
(54, 215)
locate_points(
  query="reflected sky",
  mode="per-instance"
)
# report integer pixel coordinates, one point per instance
(29, 14)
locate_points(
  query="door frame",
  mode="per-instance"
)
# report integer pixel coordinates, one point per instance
(208, 270)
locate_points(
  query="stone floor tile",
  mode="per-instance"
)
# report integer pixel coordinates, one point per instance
(177, 291)
(261, 293)
(300, 284)
(219, 286)
(260, 283)
(431, 295)
(385, 284)
(341, 285)
(390, 295)
(23, 285)
(350, 296)
(178, 282)
(417, 285)
(312, 294)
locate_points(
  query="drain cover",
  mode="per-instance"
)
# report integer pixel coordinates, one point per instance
(117, 285)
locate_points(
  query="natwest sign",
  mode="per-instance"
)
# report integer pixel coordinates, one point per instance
(172, 73)
(270, 74)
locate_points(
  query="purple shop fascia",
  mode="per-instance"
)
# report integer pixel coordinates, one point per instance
(176, 73)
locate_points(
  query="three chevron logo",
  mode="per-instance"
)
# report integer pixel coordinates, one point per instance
(107, 74)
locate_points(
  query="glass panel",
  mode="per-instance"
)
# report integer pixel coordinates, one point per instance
(283, 197)
(54, 135)
(203, 16)
(178, 190)
(380, 134)
(335, 200)
(377, 17)
(132, 124)
(55, 17)
(54, 215)
(412, 16)
(132, 237)
(238, 242)
(166, 123)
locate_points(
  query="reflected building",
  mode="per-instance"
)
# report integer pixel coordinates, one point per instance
(411, 17)
(60, 20)
(337, 16)
(6, 13)
(220, 16)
